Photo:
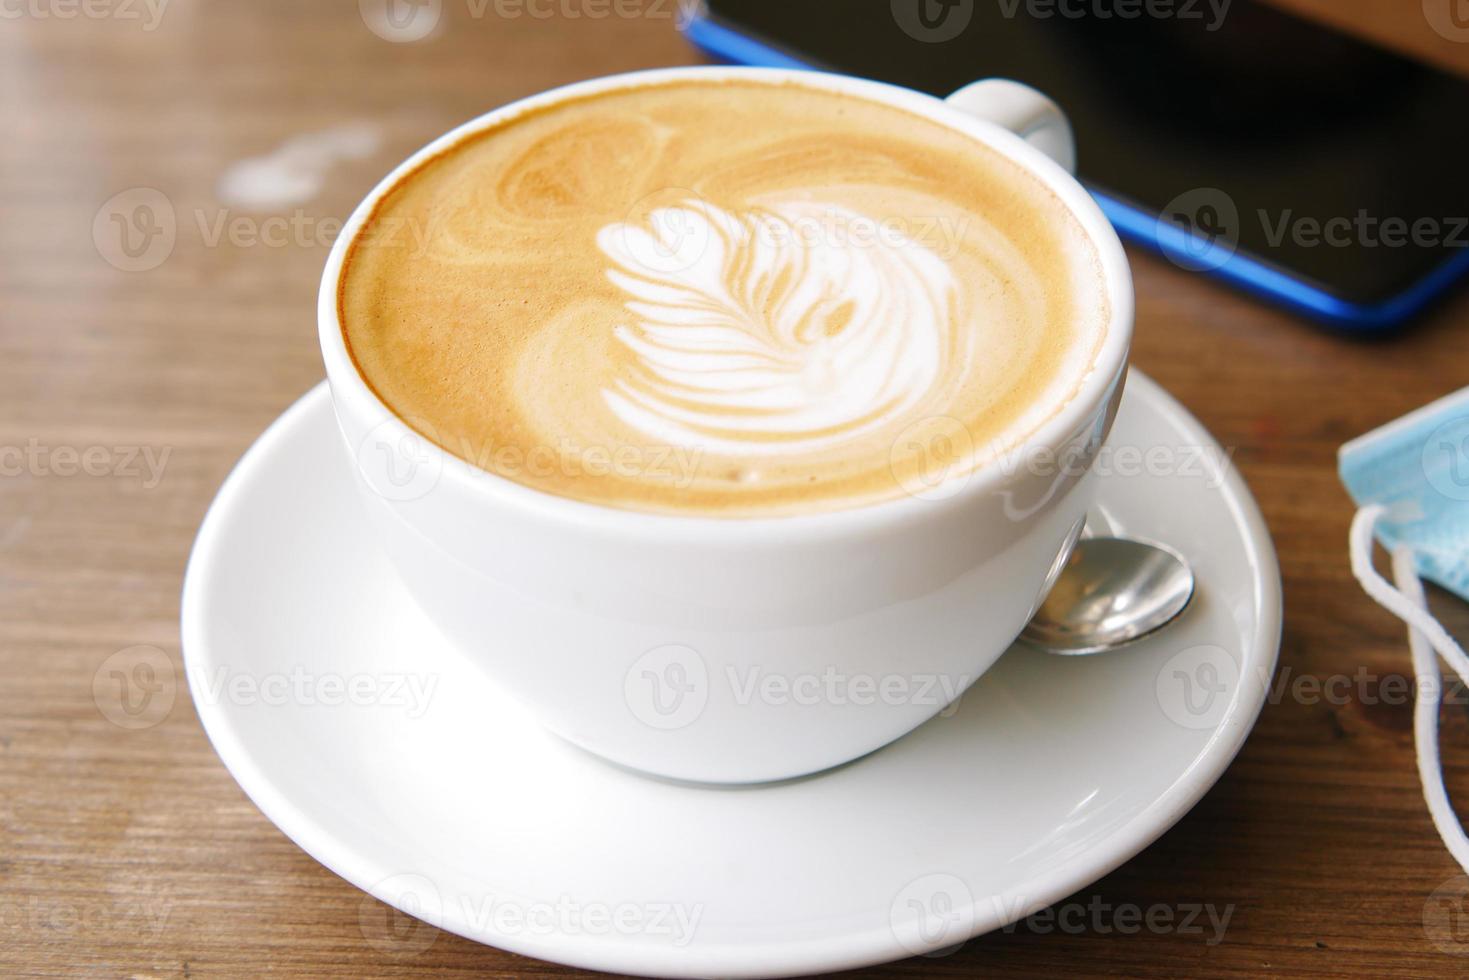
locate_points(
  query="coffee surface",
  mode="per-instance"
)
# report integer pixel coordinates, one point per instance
(723, 298)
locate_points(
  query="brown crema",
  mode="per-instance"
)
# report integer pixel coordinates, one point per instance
(723, 298)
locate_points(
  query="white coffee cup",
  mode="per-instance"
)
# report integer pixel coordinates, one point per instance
(741, 650)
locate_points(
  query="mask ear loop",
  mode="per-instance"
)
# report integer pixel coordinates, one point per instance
(1425, 635)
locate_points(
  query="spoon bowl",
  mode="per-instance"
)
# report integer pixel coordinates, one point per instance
(1111, 592)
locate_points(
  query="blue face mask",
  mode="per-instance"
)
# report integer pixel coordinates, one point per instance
(1417, 469)
(1410, 480)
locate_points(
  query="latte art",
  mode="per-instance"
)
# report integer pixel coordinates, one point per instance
(722, 298)
(748, 339)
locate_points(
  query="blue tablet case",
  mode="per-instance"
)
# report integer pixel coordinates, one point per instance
(1187, 248)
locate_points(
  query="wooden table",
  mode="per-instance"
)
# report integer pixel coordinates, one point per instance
(133, 853)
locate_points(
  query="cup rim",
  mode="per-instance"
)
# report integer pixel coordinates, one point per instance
(1105, 371)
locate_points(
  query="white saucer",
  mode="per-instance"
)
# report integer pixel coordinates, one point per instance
(300, 647)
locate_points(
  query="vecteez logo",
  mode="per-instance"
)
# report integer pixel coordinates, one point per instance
(667, 687)
(932, 914)
(1445, 458)
(401, 21)
(933, 21)
(1195, 687)
(1209, 220)
(135, 688)
(1448, 18)
(135, 230)
(399, 462)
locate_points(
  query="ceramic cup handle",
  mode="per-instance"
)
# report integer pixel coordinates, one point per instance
(1025, 112)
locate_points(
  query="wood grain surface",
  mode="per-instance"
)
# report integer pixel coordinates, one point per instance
(131, 852)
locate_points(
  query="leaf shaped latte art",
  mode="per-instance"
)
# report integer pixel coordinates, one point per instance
(790, 328)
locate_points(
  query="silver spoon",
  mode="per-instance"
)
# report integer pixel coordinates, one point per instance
(1110, 592)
